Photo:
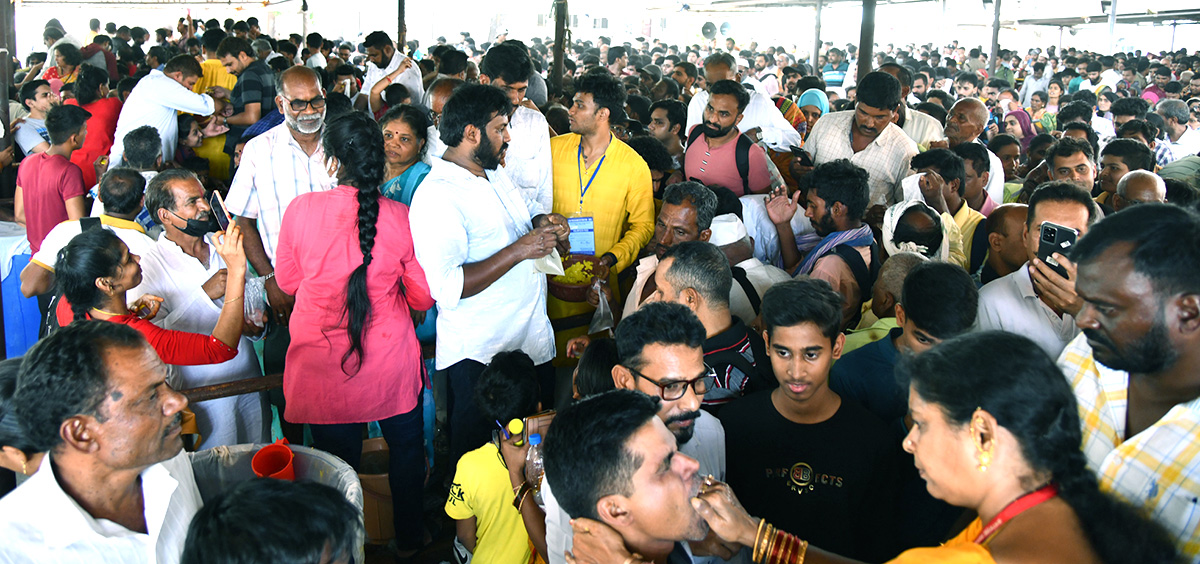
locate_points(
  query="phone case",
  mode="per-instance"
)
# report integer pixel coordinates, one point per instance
(1055, 239)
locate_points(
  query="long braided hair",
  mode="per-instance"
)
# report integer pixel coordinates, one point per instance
(356, 142)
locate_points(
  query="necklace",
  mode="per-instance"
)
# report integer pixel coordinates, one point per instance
(109, 313)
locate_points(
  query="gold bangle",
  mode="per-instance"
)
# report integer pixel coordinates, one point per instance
(770, 545)
(803, 551)
(756, 554)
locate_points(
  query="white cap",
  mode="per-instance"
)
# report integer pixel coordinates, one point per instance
(742, 62)
(726, 230)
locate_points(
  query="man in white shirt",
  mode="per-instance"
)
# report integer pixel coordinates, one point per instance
(156, 101)
(185, 270)
(751, 277)
(383, 60)
(868, 138)
(1038, 81)
(478, 237)
(507, 67)
(1036, 301)
(922, 128)
(115, 485)
(965, 122)
(316, 59)
(122, 188)
(1183, 140)
(761, 120)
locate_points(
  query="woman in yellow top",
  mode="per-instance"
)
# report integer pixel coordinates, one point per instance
(995, 430)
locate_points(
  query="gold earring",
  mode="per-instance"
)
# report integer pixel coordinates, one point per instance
(25, 470)
(984, 455)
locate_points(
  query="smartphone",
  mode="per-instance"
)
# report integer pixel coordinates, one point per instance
(802, 155)
(539, 423)
(1054, 238)
(217, 203)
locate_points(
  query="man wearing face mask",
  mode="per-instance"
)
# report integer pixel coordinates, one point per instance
(275, 168)
(185, 270)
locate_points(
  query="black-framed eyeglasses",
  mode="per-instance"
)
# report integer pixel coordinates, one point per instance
(671, 391)
(299, 105)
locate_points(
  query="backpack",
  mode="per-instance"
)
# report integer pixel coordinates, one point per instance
(741, 155)
(864, 275)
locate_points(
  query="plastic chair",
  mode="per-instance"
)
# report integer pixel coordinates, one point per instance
(218, 469)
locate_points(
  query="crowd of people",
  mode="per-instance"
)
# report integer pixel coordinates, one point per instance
(945, 311)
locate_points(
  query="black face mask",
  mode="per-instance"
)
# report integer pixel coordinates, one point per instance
(199, 227)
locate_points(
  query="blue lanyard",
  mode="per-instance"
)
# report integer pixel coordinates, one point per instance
(579, 163)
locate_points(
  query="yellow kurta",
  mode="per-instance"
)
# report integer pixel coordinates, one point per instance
(620, 200)
(967, 220)
(958, 550)
(213, 148)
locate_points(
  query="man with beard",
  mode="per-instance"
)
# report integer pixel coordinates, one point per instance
(184, 269)
(477, 236)
(1036, 301)
(660, 370)
(763, 122)
(1135, 367)
(667, 118)
(718, 154)
(764, 71)
(382, 61)
(276, 167)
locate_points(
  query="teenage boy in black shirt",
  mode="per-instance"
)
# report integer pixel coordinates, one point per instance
(800, 456)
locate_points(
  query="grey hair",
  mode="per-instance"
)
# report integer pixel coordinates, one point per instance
(260, 45)
(701, 196)
(1177, 109)
(895, 269)
(1159, 185)
(701, 266)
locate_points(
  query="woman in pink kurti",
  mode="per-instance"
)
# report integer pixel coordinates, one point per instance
(347, 256)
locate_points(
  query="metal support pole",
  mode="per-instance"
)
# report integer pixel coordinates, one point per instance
(555, 86)
(866, 38)
(401, 29)
(994, 59)
(816, 53)
(1112, 25)
(8, 28)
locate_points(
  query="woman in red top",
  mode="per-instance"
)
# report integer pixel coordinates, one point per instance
(347, 256)
(91, 93)
(95, 270)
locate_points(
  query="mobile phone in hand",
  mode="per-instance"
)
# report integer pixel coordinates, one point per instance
(802, 155)
(217, 203)
(1054, 238)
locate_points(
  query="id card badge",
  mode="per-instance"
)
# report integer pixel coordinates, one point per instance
(583, 235)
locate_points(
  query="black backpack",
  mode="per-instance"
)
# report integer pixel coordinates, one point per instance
(741, 155)
(864, 274)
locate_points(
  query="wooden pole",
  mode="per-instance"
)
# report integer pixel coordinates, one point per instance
(994, 59)
(555, 86)
(401, 29)
(866, 39)
(816, 53)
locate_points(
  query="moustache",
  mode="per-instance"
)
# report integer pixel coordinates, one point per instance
(689, 416)
(1095, 337)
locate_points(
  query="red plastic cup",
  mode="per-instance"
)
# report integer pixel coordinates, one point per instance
(274, 461)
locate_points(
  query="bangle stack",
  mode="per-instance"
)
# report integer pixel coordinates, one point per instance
(520, 495)
(772, 546)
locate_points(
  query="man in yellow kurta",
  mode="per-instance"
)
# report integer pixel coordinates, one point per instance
(213, 148)
(599, 177)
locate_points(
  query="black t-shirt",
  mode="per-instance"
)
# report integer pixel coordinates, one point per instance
(256, 84)
(739, 358)
(832, 483)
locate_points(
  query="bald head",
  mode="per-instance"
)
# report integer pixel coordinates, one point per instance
(967, 120)
(297, 78)
(440, 91)
(1139, 187)
(1007, 219)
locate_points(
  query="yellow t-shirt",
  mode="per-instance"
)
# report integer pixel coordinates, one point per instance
(213, 148)
(481, 489)
(967, 220)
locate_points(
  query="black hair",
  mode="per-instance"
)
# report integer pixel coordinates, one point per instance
(11, 433)
(879, 89)
(64, 374)
(606, 92)
(703, 267)
(121, 190)
(731, 88)
(1016, 382)
(65, 120)
(70, 54)
(967, 78)
(416, 119)
(934, 110)
(1180, 193)
(212, 38)
(930, 237)
(507, 388)
(671, 86)
(1041, 140)
(233, 46)
(657, 323)
(336, 104)
(1135, 154)
(396, 94)
(314, 39)
(616, 52)
(839, 181)
(803, 300)
(29, 90)
(1067, 146)
(509, 63)
(594, 374)
(377, 40)
(639, 108)
(651, 151)
(1173, 269)
(471, 104)
(689, 69)
(52, 32)
(1061, 191)
(267, 521)
(1041, 95)
(1074, 111)
(998, 142)
(698, 195)
(355, 140)
(940, 298)
(186, 64)
(1093, 138)
(158, 191)
(1085, 96)
(906, 75)
(452, 62)
(241, 26)
(1138, 127)
(587, 457)
(143, 147)
(948, 164)
(88, 82)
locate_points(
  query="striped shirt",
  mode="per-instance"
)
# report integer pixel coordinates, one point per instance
(274, 170)
(1158, 469)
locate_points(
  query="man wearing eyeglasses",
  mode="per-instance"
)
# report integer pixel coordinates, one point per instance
(661, 354)
(275, 168)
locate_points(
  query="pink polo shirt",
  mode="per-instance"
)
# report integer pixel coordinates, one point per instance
(718, 167)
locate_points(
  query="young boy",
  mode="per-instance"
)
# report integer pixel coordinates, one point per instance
(50, 187)
(800, 456)
(482, 493)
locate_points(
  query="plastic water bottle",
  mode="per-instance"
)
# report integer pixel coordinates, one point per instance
(534, 468)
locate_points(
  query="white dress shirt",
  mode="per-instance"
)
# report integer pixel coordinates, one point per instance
(410, 78)
(434, 148)
(527, 161)
(178, 278)
(707, 447)
(457, 219)
(777, 133)
(274, 170)
(40, 522)
(1009, 303)
(922, 128)
(156, 101)
(762, 231)
(1032, 85)
(1187, 145)
(886, 159)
